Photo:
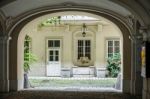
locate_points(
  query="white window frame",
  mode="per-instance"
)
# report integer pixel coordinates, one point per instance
(84, 47)
(112, 39)
(51, 48)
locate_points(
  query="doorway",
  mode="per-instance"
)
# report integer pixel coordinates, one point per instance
(54, 58)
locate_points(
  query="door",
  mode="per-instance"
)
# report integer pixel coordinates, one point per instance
(53, 62)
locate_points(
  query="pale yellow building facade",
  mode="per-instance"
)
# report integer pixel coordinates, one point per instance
(68, 33)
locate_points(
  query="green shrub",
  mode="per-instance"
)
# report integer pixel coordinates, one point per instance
(113, 65)
(29, 57)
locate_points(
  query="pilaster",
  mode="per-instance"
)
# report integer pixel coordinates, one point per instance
(4, 70)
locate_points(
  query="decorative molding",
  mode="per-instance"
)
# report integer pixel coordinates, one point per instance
(8, 22)
(145, 32)
(130, 21)
(67, 6)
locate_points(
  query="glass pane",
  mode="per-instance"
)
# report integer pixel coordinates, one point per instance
(87, 43)
(86, 49)
(50, 43)
(110, 49)
(57, 43)
(117, 50)
(56, 53)
(50, 58)
(110, 43)
(79, 49)
(56, 58)
(80, 42)
(50, 53)
(116, 43)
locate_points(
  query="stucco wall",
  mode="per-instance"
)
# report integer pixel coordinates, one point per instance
(99, 32)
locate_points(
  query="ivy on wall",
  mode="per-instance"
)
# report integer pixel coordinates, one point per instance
(51, 21)
(29, 57)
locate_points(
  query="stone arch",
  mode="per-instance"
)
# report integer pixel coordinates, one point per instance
(15, 80)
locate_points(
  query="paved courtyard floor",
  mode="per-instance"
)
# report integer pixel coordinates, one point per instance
(74, 84)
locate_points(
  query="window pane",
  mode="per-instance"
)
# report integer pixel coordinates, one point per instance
(110, 43)
(56, 52)
(57, 43)
(80, 48)
(117, 50)
(50, 58)
(84, 45)
(50, 53)
(50, 43)
(56, 58)
(113, 47)
(87, 43)
(110, 49)
(87, 49)
(116, 43)
(80, 43)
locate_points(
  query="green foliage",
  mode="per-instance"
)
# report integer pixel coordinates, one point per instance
(113, 65)
(50, 21)
(29, 57)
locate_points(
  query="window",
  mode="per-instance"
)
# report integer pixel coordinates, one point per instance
(53, 55)
(84, 48)
(113, 46)
(53, 50)
(53, 43)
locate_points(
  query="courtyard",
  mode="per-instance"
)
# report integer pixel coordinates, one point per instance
(74, 84)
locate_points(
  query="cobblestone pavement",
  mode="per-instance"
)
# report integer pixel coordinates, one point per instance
(45, 94)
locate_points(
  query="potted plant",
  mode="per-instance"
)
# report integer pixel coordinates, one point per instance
(29, 58)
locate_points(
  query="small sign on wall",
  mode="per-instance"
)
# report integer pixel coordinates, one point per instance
(145, 59)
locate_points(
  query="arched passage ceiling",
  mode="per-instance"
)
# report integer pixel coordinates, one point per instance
(19, 6)
(122, 7)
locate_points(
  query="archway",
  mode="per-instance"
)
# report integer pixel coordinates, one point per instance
(16, 79)
(99, 32)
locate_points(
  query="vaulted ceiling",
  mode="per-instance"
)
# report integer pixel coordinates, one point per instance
(123, 7)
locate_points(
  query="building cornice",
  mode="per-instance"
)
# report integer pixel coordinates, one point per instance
(68, 6)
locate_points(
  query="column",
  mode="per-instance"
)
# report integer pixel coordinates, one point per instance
(4, 70)
(66, 53)
(100, 69)
(98, 46)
